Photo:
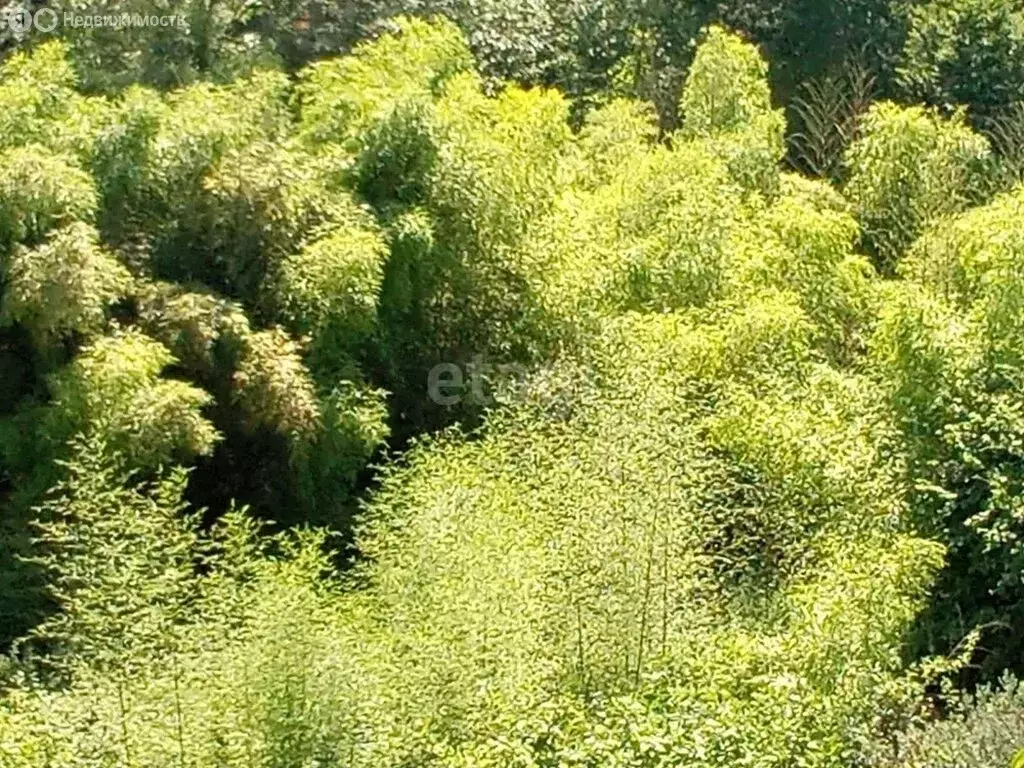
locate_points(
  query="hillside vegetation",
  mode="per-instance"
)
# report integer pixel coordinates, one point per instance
(731, 473)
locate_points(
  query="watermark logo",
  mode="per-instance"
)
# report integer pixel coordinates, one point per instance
(479, 382)
(21, 21)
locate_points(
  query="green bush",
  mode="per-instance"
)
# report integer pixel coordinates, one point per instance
(805, 242)
(908, 168)
(341, 98)
(727, 98)
(38, 192)
(726, 498)
(964, 52)
(273, 386)
(152, 163)
(984, 731)
(41, 105)
(92, 523)
(260, 204)
(330, 290)
(211, 42)
(62, 287)
(949, 348)
(611, 136)
(583, 590)
(113, 391)
(204, 332)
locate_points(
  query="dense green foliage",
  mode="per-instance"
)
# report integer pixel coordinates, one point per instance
(984, 730)
(908, 168)
(724, 464)
(965, 52)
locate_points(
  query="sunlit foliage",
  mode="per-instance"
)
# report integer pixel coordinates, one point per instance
(113, 390)
(727, 99)
(909, 167)
(949, 346)
(343, 98)
(39, 191)
(731, 498)
(63, 286)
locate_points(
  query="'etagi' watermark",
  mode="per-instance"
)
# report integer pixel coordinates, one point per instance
(482, 383)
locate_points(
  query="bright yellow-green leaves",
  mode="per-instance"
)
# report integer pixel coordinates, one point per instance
(727, 100)
(612, 135)
(40, 104)
(40, 190)
(909, 167)
(331, 287)
(342, 98)
(976, 262)
(114, 391)
(689, 536)
(586, 578)
(63, 286)
(727, 88)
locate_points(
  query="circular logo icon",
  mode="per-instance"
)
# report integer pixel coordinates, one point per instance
(19, 20)
(45, 20)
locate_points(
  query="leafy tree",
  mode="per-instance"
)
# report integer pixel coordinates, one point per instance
(343, 97)
(727, 97)
(113, 390)
(951, 354)
(122, 560)
(964, 52)
(38, 192)
(274, 387)
(195, 40)
(204, 332)
(62, 287)
(739, 494)
(909, 167)
(330, 290)
(37, 90)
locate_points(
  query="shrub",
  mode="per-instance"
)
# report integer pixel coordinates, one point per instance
(961, 261)
(212, 42)
(92, 523)
(170, 150)
(727, 99)
(727, 88)
(579, 589)
(330, 290)
(204, 332)
(341, 98)
(805, 243)
(951, 360)
(596, 627)
(908, 168)
(119, 160)
(498, 163)
(613, 135)
(968, 52)
(113, 391)
(657, 237)
(37, 90)
(260, 204)
(273, 386)
(64, 286)
(38, 192)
